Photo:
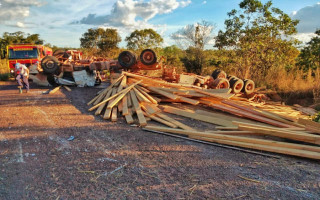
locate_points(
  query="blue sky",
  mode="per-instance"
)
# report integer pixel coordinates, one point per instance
(62, 22)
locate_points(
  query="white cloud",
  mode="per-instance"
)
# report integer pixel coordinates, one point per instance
(304, 37)
(16, 10)
(309, 18)
(134, 14)
(20, 25)
(204, 2)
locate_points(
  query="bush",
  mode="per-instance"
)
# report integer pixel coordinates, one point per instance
(4, 77)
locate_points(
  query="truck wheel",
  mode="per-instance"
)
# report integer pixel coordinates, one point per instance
(148, 57)
(249, 86)
(236, 85)
(51, 80)
(221, 83)
(50, 64)
(215, 72)
(127, 59)
(231, 77)
(60, 53)
(219, 74)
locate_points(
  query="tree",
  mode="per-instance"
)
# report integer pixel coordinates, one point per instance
(194, 37)
(309, 57)
(101, 40)
(18, 37)
(143, 39)
(260, 36)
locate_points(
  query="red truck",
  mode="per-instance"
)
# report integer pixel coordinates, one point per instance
(27, 54)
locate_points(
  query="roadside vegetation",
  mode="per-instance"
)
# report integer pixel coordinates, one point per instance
(257, 43)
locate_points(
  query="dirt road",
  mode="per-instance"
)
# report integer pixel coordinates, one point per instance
(105, 160)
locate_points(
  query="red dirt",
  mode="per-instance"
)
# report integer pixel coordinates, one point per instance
(116, 161)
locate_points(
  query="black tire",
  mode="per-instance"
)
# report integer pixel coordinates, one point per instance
(219, 74)
(221, 83)
(249, 86)
(148, 57)
(215, 72)
(50, 65)
(51, 80)
(231, 77)
(127, 59)
(236, 85)
(60, 53)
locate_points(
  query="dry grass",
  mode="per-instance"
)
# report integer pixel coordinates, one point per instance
(4, 70)
(296, 83)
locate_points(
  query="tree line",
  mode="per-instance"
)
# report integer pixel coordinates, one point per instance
(257, 43)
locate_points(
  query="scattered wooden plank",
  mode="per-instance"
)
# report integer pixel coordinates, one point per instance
(163, 93)
(152, 99)
(114, 114)
(55, 90)
(190, 101)
(114, 96)
(259, 113)
(136, 105)
(149, 108)
(293, 135)
(179, 124)
(129, 119)
(122, 84)
(140, 96)
(100, 108)
(125, 110)
(197, 116)
(120, 105)
(252, 143)
(215, 91)
(216, 95)
(67, 88)
(250, 115)
(287, 151)
(108, 111)
(162, 121)
(105, 90)
(309, 123)
(233, 132)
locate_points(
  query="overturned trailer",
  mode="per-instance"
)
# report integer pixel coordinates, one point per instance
(69, 68)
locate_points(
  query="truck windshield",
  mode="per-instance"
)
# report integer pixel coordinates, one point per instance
(23, 53)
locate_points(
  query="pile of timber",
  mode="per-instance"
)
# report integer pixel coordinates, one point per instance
(137, 98)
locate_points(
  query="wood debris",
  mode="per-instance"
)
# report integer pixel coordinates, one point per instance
(251, 126)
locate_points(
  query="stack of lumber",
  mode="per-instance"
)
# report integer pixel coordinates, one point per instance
(137, 98)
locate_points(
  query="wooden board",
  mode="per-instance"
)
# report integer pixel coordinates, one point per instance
(194, 115)
(163, 93)
(114, 96)
(108, 111)
(253, 143)
(136, 105)
(114, 114)
(100, 108)
(288, 134)
(179, 124)
(249, 115)
(125, 110)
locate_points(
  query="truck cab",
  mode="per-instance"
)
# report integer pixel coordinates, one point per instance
(27, 54)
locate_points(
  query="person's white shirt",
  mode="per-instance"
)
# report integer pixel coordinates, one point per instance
(23, 69)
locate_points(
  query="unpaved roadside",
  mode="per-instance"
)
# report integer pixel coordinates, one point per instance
(108, 160)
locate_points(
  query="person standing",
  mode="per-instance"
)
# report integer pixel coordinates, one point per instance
(22, 75)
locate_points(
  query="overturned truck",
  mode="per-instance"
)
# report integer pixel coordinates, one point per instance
(69, 68)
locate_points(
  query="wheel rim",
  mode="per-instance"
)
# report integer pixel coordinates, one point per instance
(50, 64)
(148, 57)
